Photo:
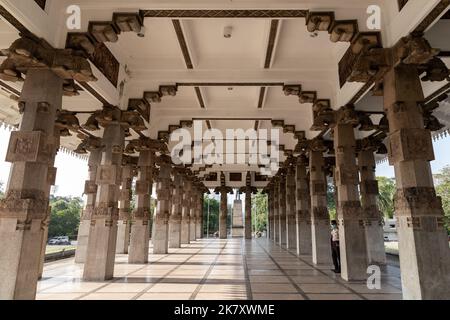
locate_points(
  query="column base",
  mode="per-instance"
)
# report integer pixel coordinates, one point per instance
(19, 259)
(139, 242)
(82, 241)
(101, 250)
(321, 247)
(376, 254)
(192, 232)
(237, 232)
(291, 237)
(175, 234)
(304, 237)
(424, 261)
(185, 232)
(161, 238)
(123, 236)
(352, 241)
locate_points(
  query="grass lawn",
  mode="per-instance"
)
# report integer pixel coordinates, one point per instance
(54, 249)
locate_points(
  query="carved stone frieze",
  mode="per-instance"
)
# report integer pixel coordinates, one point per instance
(30, 146)
(108, 174)
(410, 144)
(24, 204)
(30, 52)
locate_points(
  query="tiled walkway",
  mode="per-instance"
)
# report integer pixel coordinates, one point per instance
(212, 269)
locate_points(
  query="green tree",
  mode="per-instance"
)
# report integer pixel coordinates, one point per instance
(387, 190)
(443, 190)
(331, 199)
(65, 216)
(259, 212)
(214, 208)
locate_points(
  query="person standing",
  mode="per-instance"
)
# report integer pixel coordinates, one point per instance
(335, 250)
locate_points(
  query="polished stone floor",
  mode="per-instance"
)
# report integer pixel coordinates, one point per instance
(213, 269)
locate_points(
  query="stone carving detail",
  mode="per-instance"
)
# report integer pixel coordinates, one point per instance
(29, 147)
(31, 52)
(24, 204)
(108, 174)
(106, 210)
(410, 144)
(417, 199)
(347, 176)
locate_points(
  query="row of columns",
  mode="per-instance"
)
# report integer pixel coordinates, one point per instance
(107, 225)
(423, 241)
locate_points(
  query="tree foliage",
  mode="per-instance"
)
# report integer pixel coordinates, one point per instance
(443, 190)
(65, 216)
(387, 190)
(259, 212)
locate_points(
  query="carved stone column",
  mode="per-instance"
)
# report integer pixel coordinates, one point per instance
(373, 220)
(248, 190)
(90, 190)
(193, 214)
(223, 213)
(124, 223)
(161, 235)
(101, 251)
(291, 229)
(140, 226)
(51, 178)
(269, 193)
(176, 214)
(423, 241)
(303, 216)
(320, 220)
(25, 207)
(276, 210)
(352, 239)
(199, 214)
(186, 218)
(282, 210)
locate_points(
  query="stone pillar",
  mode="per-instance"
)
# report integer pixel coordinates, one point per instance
(101, 251)
(276, 210)
(124, 223)
(303, 216)
(90, 190)
(186, 219)
(25, 206)
(223, 213)
(291, 229)
(199, 214)
(161, 221)
(176, 214)
(248, 214)
(51, 182)
(282, 210)
(373, 220)
(270, 213)
(352, 239)
(24, 210)
(320, 220)
(140, 226)
(423, 241)
(192, 214)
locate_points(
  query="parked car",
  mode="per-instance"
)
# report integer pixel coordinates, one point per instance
(62, 240)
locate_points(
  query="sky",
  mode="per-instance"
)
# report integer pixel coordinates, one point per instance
(72, 172)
